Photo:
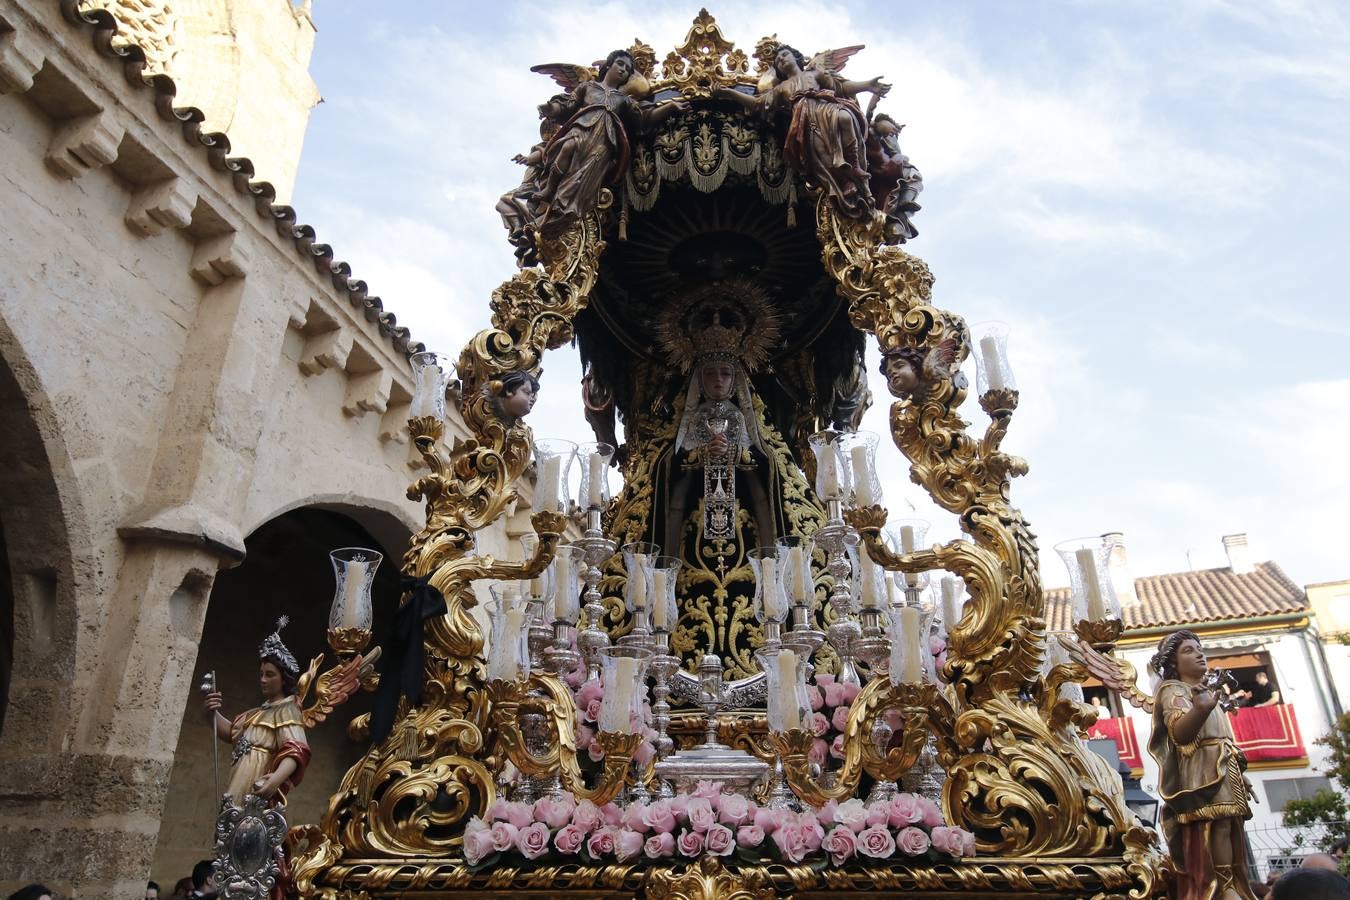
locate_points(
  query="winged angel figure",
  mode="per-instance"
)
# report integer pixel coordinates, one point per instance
(1206, 797)
(270, 750)
(909, 370)
(586, 135)
(826, 137)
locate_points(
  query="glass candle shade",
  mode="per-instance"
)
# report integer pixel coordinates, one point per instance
(907, 536)
(858, 454)
(665, 571)
(794, 554)
(354, 571)
(789, 706)
(911, 656)
(539, 588)
(1088, 560)
(1056, 655)
(509, 638)
(953, 601)
(568, 567)
(639, 560)
(831, 473)
(623, 673)
(992, 372)
(429, 381)
(594, 492)
(771, 600)
(872, 590)
(553, 464)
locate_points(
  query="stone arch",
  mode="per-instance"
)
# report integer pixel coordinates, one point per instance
(45, 570)
(286, 570)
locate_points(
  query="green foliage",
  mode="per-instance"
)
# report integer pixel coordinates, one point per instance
(1328, 808)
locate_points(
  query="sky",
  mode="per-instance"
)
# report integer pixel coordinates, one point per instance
(1152, 195)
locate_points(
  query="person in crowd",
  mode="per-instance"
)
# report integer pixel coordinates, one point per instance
(32, 892)
(203, 881)
(182, 888)
(151, 891)
(1311, 884)
(1320, 861)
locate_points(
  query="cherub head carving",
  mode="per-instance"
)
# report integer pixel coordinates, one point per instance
(513, 395)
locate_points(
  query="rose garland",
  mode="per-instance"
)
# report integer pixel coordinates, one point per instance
(712, 822)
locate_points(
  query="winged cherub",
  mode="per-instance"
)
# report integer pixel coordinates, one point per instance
(826, 137)
(1206, 797)
(590, 151)
(909, 370)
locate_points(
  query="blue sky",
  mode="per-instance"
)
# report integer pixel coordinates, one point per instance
(1151, 194)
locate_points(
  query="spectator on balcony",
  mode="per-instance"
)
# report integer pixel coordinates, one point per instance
(1311, 884)
(1263, 692)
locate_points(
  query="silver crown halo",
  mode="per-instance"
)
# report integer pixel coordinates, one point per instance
(272, 648)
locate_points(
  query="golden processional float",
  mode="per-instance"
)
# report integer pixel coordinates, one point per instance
(732, 683)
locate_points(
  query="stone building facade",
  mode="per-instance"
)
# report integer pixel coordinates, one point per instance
(198, 403)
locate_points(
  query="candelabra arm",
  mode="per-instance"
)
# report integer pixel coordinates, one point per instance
(1061, 711)
(549, 526)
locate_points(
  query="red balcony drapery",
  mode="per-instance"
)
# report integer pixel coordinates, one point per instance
(1267, 732)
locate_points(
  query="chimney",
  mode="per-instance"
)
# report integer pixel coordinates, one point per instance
(1119, 569)
(1239, 557)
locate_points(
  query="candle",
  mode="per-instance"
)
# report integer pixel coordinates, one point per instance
(892, 590)
(638, 579)
(515, 618)
(993, 367)
(563, 593)
(775, 606)
(660, 607)
(872, 592)
(829, 473)
(787, 689)
(549, 475)
(1092, 586)
(907, 645)
(595, 497)
(951, 602)
(354, 581)
(537, 587)
(862, 477)
(620, 709)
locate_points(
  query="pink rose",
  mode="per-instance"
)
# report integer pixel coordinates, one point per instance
(690, 843)
(595, 751)
(585, 737)
(946, 842)
(679, 805)
(932, 815)
(905, 810)
(497, 811)
(749, 836)
(532, 840)
(936, 644)
(701, 815)
(645, 751)
(840, 844)
(591, 690)
(591, 711)
(938, 663)
(720, 841)
(611, 814)
(791, 843)
(587, 816)
(554, 812)
(967, 842)
(477, 841)
(601, 843)
(876, 842)
(819, 750)
(766, 820)
(569, 839)
(819, 724)
(825, 679)
(519, 814)
(635, 818)
(826, 814)
(852, 814)
(708, 790)
(834, 694)
(574, 678)
(851, 692)
(735, 810)
(662, 844)
(659, 817)
(912, 841)
(878, 813)
(840, 718)
(812, 832)
(837, 747)
(815, 696)
(627, 845)
(503, 836)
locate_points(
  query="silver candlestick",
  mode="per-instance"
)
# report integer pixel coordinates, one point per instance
(837, 538)
(596, 549)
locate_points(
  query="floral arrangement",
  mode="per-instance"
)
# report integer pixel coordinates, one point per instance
(711, 822)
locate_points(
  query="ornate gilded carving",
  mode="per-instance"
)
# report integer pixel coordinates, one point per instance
(704, 62)
(708, 879)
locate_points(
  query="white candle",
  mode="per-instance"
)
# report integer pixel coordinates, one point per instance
(549, 475)
(660, 607)
(608, 680)
(625, 675)
(993, 366)
(892, 590)
(354, 579)
(795, 568)
(424, 391)
(515, 618)
(1092, 587)
(951, 602)
(775, 606)
(907, 645)
(563, 592)
(862, 477)
(638, 580)
(595, 496)
(907, 546)
(787, 689)
(872, 588)
(537, 587)
(829, 472)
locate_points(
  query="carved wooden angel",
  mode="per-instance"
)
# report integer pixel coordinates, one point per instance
(590, 150)
(826, 137)
(909, 369)
(1206, 797)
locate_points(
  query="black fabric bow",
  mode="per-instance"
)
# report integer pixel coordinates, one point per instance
(404, 652)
